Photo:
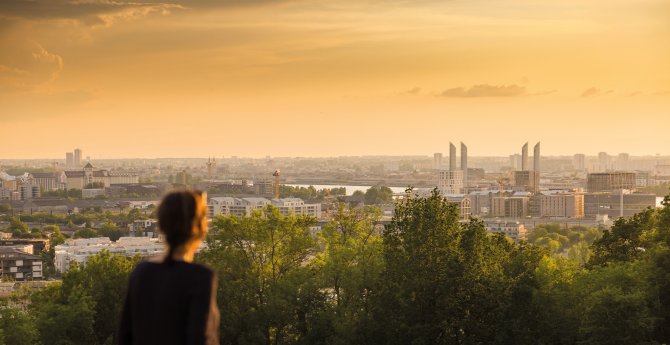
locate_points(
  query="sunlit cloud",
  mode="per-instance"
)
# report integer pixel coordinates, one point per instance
(485, 90)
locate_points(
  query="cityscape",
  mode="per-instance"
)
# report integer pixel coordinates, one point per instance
(298, 172)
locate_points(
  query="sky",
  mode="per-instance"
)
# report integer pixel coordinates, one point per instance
(198, 78)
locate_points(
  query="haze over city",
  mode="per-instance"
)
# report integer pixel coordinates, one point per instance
(316, 78)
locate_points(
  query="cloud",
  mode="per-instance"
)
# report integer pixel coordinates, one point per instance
(543, 93)
(662, 93)
(485, 90)
(592, 91)
(412, 91)
(91, 12)
(28, 65)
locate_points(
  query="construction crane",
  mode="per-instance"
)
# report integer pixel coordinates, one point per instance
(276, 175)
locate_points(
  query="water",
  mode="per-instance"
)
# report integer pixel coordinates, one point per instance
(350, 189)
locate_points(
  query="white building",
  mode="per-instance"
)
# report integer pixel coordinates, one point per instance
(80, 250)
(243, 207)
(514, 230)
(450, 181)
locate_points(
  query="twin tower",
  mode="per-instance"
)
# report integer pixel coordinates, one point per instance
(536, 157)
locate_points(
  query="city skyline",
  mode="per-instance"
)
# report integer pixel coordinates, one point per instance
(304, 78)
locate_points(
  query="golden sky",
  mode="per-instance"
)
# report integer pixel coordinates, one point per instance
(253, 78)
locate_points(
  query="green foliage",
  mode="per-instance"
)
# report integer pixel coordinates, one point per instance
(85, 308)
(378, 195)
(112, 231)
(265, 290)
(86, 233)
(573, 242)
(17, 327)
(428, 278)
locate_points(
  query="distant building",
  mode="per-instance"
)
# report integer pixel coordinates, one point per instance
(536, 158)
(463, 203)
(39, 245)
(437, 161)
(29, 191)
(264, 187)
(610, 203)
(80, 250)
(464, 164)
(562, 204)
(452, 157)
(243, 207)
(524, 157)
(514, 230)
(515, 162)
(47, 181)
(450, 181)
(16, 264)
(604, 162)
(579, 162)
(527, 181)
(610, 181)
(69, 160)
(79, 179)
(144, 228)
(77, 157)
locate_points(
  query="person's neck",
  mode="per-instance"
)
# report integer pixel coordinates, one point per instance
(185, 252)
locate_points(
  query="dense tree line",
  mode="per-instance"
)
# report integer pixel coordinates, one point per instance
(427, 278)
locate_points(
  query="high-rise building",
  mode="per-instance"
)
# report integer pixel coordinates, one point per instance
(603, 162)
(69, 159)
(623, 161)
(437, 161)
(452, 157)
(464, 163)
(579, 161)
(77, 157)
(536, 158)
(524, 157)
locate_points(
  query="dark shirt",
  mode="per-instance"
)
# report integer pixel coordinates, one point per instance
(170, 304)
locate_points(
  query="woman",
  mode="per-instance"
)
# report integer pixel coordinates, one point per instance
(171, 300)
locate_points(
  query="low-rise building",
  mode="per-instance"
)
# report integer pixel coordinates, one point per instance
(562, 204)
(16, 264)
(80, 250)
(243, 207)
(38, 244)
(514, 230)
(616, 205)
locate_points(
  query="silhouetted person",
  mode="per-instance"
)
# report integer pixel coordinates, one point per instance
(171, 300)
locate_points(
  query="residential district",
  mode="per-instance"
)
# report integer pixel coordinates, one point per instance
(512, 195)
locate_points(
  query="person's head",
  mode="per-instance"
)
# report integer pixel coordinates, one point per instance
(182, 217)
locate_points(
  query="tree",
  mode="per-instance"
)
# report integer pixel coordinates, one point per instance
(64, 319)
(85, 308)
(378, 195)
(17, 326)
(111, 230)
(86, 233)
(266, 292)
(349, 268)
(421, 254)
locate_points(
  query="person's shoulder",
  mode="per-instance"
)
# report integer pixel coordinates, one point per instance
(200, 268)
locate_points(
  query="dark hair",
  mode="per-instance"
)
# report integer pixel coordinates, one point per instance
(177, 214)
